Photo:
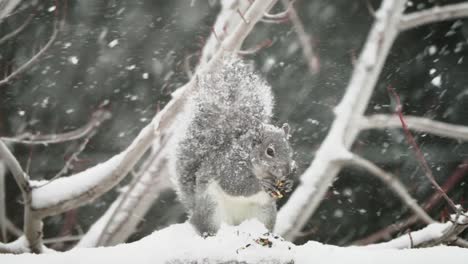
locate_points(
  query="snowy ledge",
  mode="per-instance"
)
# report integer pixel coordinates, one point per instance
(247, 243)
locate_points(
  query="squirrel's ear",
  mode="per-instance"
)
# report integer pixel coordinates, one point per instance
(286, 128)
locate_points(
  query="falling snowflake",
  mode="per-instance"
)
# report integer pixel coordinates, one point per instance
(113, 43)
(437, 81)
(73, 60)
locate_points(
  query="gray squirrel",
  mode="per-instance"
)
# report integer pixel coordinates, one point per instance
(231, 163)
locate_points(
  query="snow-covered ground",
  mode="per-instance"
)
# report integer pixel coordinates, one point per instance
(248, 242)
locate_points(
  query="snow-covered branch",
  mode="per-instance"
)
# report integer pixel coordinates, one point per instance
(318, 177)
(127, 211)
(432, 235)
(70, 192)
(226, 21)
(387, 232)
(32, 226)
(395, 185)
(419, 124)
(432, 15)
(18, 246)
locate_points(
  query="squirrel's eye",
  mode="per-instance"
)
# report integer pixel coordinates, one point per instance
(270, 152)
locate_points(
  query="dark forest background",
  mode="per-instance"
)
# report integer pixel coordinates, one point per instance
(130, 56)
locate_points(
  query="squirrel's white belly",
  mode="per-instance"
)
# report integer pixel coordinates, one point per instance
(234, 210)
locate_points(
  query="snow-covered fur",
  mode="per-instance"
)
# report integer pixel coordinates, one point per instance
(229, 156)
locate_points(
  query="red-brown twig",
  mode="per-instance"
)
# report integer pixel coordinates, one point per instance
(417, 151)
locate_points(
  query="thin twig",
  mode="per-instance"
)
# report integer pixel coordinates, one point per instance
(415, 123)
(34, 58)
(18, 30)
(432, 15)
(69, 163)
(370, 8)
(97, 118)
(411, 239)
(310, 55)
(417, 150)
(394, 184)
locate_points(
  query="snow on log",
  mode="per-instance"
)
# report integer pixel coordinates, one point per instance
(248, 243)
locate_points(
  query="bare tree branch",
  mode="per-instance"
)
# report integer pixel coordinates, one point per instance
(394, 184)
(7, 7)
(97, 118)
(432, 15)
(311, 57)
(13, 165)
(18, 30)
(415, 123)
(319, 176)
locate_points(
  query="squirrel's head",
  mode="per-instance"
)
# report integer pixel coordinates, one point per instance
(272, 160)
